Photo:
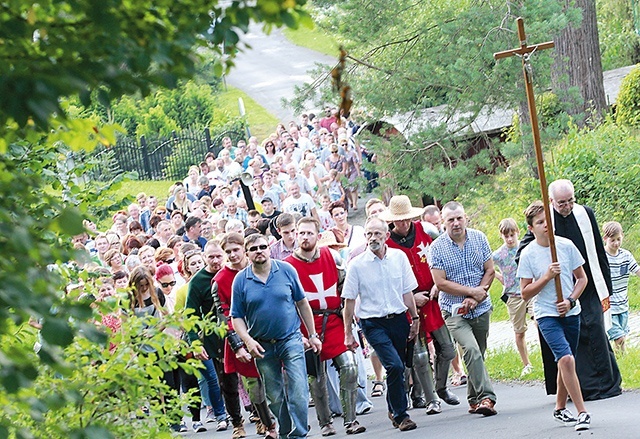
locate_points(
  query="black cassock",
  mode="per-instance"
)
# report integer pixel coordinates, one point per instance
(595, 361)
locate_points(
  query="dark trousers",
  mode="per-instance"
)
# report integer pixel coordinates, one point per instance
(389, 339)
(229, 387)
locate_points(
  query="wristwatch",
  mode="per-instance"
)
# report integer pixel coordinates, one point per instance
(414, 318)
(314, 335)
(572, 302)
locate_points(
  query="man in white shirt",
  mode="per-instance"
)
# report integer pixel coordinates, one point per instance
(383, 279)
(298, 202)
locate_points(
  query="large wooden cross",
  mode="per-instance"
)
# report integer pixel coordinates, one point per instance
(525, 51)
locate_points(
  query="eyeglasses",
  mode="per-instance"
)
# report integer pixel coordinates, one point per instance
(168, 284)
(255, 248)
(563, 203)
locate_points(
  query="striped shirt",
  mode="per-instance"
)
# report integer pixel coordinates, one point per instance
(464, 266)
(621, 265)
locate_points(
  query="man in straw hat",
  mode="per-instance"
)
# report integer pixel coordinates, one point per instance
(412, 238)
(321, 280)
(383, 280)
(462, 268)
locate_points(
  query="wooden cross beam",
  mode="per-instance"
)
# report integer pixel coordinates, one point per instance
(525, 52)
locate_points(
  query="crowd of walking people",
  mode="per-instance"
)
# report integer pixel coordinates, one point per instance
(306, 295)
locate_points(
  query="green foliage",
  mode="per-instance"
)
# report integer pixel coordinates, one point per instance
(97, 52)
(189, 105)
(122, 381)
(58, 49)
(628, 102)
(429, 66)
(619, 43)
(603, 165)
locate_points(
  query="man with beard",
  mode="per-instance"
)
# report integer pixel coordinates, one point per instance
(595, 361)
(383, 280)
(200, 299)
(233, 246)
(412, 238)
(320, 278)
(267, 304)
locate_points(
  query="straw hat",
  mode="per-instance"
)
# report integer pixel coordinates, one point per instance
(328, 239)
(400, 209)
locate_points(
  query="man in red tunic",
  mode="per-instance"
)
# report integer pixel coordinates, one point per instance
(233, 246)
(320, 276)
(412, 238)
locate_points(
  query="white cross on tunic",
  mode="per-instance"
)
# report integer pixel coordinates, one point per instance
(424, 251)
(321, 293)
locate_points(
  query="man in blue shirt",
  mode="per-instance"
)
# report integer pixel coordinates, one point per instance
(266, 302)
(192, 232)
(462, 269)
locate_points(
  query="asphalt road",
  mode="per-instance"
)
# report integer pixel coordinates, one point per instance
(524, 411)
(272, 68)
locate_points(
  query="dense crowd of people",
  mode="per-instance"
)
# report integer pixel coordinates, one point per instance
(306, 294)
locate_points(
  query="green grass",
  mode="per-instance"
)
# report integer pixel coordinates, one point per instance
(504, 364)
(314, 39)
(130, 189)
(261, 122)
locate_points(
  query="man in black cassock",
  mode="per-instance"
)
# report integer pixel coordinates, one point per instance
(595, 361)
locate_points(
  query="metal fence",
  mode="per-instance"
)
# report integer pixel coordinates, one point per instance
(162, 158)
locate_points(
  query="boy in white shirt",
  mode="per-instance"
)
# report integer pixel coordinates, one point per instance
(559, 322)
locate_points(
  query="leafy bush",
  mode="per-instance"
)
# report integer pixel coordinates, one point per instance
(123, 381)
(628, 103)
(604, 166)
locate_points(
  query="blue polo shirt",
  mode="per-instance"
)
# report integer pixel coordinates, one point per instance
(268, 307)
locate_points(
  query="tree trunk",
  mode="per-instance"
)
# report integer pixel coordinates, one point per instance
(578, 65)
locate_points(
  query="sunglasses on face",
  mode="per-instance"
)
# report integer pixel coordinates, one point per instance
(168, 284)
(255, 248)
(170, 261)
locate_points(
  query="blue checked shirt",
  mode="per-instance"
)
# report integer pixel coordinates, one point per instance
(464, 266)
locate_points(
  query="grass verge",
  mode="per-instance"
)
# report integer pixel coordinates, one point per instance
(504, 364)
(314, 39)
(261, 122)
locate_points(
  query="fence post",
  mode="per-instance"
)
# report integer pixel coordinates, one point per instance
(145, 157)
(207, 138)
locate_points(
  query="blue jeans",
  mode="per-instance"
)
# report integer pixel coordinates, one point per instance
(389, 339)
(211, 388)
(288, 398)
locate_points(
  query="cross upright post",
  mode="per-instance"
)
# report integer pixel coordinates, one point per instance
(525, 51)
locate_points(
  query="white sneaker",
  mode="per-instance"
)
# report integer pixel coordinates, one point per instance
(222, 425)
(198, 427)
(584, 421)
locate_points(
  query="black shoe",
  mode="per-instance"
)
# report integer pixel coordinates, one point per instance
(419, 403)
(448, 396)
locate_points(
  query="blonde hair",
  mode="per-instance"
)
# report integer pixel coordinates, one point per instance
(508, 225)
(611, 229)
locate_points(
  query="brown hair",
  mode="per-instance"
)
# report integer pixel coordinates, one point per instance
(137, 275)
(508, 225)
(533, 211)
(232, 238)
(611, 229)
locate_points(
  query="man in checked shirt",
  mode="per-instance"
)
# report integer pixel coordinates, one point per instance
(462, 269)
